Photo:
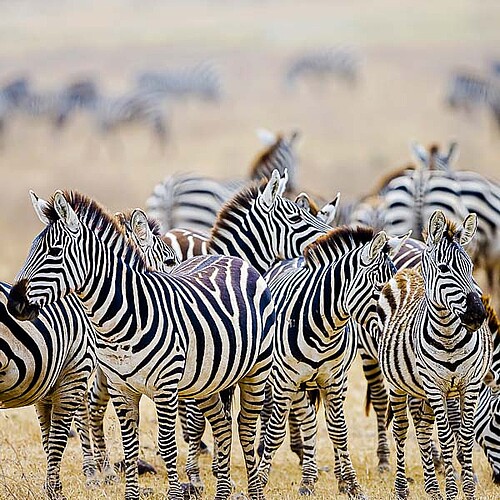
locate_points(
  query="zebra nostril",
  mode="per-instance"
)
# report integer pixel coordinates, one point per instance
(475, 312)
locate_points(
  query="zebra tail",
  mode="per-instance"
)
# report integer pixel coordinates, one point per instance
(368, 400)
(314, 397)
(226, 397)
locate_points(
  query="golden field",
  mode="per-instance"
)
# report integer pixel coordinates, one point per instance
(350, 135)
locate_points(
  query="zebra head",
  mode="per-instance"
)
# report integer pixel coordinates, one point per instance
(145, 234)
(374, 269)
(57, 247)
(325, 214)
(433, 158)
(447, 271)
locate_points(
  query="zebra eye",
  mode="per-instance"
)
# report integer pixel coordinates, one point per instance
(170, 262)
(55, 251)
(444, 268)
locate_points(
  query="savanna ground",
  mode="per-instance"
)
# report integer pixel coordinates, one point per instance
(350, 135)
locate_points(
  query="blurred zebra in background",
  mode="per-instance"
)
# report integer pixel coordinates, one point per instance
(202, 81)
(11, 96)
(467, 90)
(191, 201)
(334, 62)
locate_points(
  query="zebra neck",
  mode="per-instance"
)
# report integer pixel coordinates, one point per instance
(442, 325)
(245, 245)
(110, 299)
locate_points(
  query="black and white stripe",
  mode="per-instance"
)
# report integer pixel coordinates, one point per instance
(437, 315)
(202, 81)
(191, 201)
(339, 278)
(154, 330)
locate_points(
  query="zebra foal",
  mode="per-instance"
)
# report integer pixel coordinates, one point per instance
(437, 316)
(157, 333)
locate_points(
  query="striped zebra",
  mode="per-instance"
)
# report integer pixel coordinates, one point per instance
(259, 226)
(47, 363)
(338, 279)
(154, 330)
(437, 315)
(331, 62)
(191, 201)
(487, 419)
(133, 107)
(202, 81)
(467, 91)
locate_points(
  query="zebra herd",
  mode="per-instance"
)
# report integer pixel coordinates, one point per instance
(237, 271)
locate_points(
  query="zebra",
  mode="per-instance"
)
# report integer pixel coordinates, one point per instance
(11, 94)
(437, 314)
(133, 107)
(259, 226)
(337, 62)
(338, 279)
(191, 201)
(467, 90)
(201, 80)
(220, 303)
(47, 363)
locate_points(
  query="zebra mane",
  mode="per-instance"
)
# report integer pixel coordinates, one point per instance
(97, 218)
(336, 243)
(389, 176)
(256, 167)
(492, 318)
(241, 201)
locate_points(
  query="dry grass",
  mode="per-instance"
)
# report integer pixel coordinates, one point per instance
(350, 136)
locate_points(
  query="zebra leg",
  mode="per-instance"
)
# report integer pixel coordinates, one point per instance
(305, 413)
(66, 400)
(337, 431)
(98, 402)
(265, 415)
(466, 439)
(215, 413)
(446, 438)
(398, 401)
(126, 405)
(82, 423)
(275, 432)
(195, 427)
(376, 395)
(252, 397)
(423, 419)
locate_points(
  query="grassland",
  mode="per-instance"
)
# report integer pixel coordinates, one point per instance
(350, 136)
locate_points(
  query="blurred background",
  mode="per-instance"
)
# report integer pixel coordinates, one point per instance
(353, 128)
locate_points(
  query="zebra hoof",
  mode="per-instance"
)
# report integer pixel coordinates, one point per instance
(402, 494)
(189, 490)
(306, 489)
(145, 467)
(145, 492)
(343, 486)
(410, 480)
(383, 466)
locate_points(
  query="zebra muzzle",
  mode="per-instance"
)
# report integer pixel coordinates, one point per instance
(475, 312)
(18, 304)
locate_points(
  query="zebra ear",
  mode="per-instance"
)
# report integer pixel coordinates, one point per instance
(419, 153)
(65, 212)
(328, 212)
(39, 205)
(271, 190)
(373, 249)
(283, 182)
(140, 227)
(453, 154)
(303, 201)
(437, 226)
(266, 137)
(468, 229)
(396, 243)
